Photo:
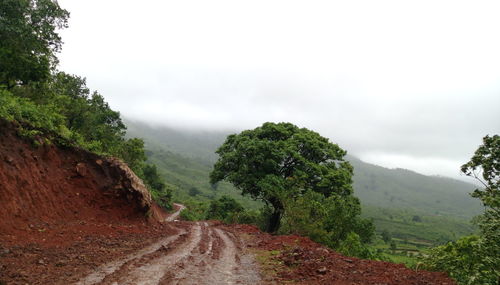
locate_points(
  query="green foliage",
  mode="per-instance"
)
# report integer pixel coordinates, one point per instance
(307, 216)
(393, 245)
(225, 209)
(485, 167)
(281, 161)
(327, 220)
(193, 191)
(132, 152)
(476, 259)
(194, 211)
(29, 39)
(433, 229)
(161, 192)
(187, 173)
(464, 260)
(26, 112)
(251, 217)
(353, 246)
(386, 236)
(92, 123)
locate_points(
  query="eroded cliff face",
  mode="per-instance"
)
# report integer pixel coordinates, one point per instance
(48, 185)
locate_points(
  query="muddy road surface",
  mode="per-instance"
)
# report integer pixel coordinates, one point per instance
(199, 253)
(174, 216)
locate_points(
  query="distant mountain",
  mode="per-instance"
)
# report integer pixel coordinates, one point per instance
(406, 189)
(198, 145)
(186, 157)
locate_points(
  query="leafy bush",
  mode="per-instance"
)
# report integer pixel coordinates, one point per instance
(464, 260)
(194, 211)
(161, 192)
(330, 221)
(31, 115)
(352, 246)
(224, 209)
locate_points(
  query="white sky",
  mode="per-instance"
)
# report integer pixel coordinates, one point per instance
(410, 84)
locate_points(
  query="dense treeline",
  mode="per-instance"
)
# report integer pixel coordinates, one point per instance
(51, 106)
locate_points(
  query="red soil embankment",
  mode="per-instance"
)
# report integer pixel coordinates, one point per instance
(303, 261)
(53, 195)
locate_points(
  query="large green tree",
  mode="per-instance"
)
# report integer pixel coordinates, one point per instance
(279, 162)
(29, 39)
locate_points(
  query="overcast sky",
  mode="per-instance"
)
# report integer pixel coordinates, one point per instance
(411, 84)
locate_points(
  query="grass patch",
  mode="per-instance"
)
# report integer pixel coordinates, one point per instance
(268, 262)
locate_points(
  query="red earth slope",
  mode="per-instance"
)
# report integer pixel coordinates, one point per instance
(298, 260)
(47, 187)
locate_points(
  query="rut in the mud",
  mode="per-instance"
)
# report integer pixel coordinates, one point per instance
(200, 254)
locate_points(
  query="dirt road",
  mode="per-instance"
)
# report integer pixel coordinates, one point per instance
(178, 208)
(199, 253)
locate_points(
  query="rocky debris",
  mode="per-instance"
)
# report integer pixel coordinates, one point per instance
(322, 270)
(81, 169)
(8, 159)
(303, 261)
(128, 181)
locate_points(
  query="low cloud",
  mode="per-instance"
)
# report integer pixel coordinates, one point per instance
(414, 85)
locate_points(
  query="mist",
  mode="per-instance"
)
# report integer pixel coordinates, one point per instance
(403, 84)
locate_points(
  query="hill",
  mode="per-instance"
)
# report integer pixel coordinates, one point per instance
(392, 197)
(406, 189)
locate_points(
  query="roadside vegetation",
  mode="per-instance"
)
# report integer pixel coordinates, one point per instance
(52, 107)
(475, 259)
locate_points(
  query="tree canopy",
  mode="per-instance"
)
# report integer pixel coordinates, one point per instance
(29, 39)
(485, 167)
(280, 161)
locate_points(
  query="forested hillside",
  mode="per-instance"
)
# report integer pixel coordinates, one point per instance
(406, 189)
(373, 184)
(404, 203)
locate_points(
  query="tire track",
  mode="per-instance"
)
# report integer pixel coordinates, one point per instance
(224, 263)
(109, 268)
(198, 254)
(153, 271)
(195, 267)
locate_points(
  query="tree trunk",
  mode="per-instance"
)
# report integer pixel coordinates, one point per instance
(274, 221)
